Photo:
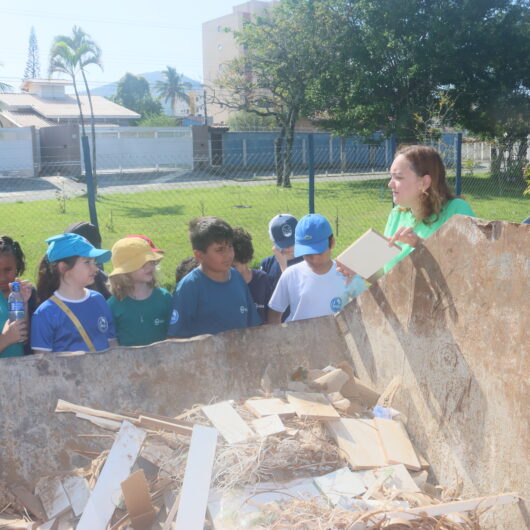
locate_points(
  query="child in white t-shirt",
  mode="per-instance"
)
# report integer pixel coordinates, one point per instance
(313, 287)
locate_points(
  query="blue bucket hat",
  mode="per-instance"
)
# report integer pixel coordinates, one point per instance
(312, 235)
(68, 245)
(281, 230)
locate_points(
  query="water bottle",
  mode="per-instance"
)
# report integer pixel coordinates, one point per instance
(15, 303)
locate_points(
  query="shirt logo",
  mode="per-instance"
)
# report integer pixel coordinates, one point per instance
(336, 304)
(158, 321)
(287, 230)
(243, 309)
(308, 237)
(103, 325)
(174, 317)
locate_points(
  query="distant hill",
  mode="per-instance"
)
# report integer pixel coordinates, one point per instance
(152, 78)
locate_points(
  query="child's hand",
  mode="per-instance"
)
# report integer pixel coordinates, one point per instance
(405, 235)
(281, 257)
(345, 271)
(13, 332)
(25, 288)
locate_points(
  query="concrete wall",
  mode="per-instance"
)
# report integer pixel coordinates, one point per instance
(453, 322)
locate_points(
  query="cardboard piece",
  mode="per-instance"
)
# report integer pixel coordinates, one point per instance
(197, 477)
(312, 405)
(396, 444)
(268, 407)
(228, 422)
(368, 254)
(332, 381)
(138, 501)
(78, 492)
(99, 508)
(340, 486)
(268, 425)
(52, 495)
(358, 441)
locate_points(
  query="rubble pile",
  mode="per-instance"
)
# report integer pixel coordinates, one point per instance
(327, 452)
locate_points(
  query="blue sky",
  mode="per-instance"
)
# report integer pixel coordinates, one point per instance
(135, 35)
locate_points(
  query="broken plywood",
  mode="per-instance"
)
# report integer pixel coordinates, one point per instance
(78, 492)
(52, 495)
(228, 422)
(268, 407)
(268, 425)
(312, 405)
(340, 486)
(332, 381)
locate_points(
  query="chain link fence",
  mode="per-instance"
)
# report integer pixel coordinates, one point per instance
(152, 181)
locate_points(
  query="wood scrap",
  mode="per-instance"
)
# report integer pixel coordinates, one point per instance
(65, 406)
(228, 422)
(53, 497)
(332, 381)
(340, 484)
(197, 477)
(30, 502)
(312, 405)
(99, 508)
(268, 425)
(358, 441)
(396, 444)
(161, 456)
(386, 398)
(138, 501)
(104, 423)
(156, 424)
(78, 492)
(270, 406)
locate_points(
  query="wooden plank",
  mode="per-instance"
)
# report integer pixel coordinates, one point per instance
(436, 510)
(228, 422)
(268, 425)
(368, 254)
(167, 419)
(396, 444)
(312, 405)
(99, 508)
(138, 501)
(197, 477)
(78, 492)
(52, 495)
(358, 441)
(332, 381)
(65, 406)
(158, 425)
(268, 407)
(100, 422)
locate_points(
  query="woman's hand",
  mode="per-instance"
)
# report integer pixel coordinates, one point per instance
(345, 271)
(26, 289)
(405, 235)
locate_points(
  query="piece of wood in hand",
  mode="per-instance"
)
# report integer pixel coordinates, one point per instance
(268, 407)
(52, 495)
(358, 441)
(396, 444)
(312, 405)
(228, 422)
(268, 425)
(332, 381)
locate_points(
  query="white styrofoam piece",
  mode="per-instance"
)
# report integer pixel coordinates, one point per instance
(339, 485)
(99, 508)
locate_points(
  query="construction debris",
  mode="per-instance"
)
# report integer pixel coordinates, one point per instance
(331, 456)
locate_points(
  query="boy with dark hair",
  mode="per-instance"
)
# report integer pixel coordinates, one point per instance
(314, 287)
(213, 297)
(258, 282)
(185, 267)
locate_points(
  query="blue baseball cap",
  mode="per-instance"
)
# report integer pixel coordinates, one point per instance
(281, 230)
(312, 235)
(68, 245)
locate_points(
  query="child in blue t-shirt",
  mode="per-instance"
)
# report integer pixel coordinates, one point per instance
(213, 297)
(140, 308)
(71, 317)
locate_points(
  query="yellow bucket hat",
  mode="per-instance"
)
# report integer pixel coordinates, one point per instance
(131, 254)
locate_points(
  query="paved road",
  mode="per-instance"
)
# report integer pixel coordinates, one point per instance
(26, 189)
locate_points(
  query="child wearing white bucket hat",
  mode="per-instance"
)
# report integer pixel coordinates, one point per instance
(139, 307)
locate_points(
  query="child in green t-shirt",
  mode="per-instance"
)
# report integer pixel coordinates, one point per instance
(139, 307)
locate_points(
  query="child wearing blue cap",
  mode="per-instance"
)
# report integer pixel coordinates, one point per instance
(71, 317)
(314, 287)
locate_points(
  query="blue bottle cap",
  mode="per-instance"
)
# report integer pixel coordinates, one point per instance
(15, 287)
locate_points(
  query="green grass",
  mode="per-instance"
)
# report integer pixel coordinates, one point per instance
(351, 207)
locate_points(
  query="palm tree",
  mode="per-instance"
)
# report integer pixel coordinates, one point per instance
(71, 55)
(173, 87)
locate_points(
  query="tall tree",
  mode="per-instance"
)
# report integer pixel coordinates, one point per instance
(172, 88)
(281, 59)
(71, 55)
(133, 93)
(32, 70)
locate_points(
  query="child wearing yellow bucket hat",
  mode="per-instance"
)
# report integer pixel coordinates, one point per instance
(140, 307)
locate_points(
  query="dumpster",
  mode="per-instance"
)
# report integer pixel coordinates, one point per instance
(451, 322)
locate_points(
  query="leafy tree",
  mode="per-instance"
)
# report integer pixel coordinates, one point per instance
(173, 87)
(159, 120)
(271, 80)
(32, 70)
(71, 55)
(249, 121)
(133, 93)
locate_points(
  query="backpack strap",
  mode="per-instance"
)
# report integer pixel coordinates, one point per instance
(75, 321)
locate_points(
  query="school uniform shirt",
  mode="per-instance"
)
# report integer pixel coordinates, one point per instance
(53, 331)
(202, 305)
(313, 295)
(141, 322)
(260, 288)
(271, 266)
